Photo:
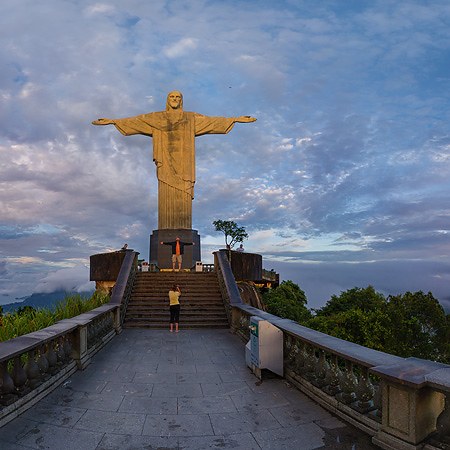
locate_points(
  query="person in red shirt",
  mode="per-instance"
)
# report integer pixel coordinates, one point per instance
(177, 251)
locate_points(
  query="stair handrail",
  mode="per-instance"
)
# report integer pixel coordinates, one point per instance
(121, 291)
(227, 283)
(225, 272)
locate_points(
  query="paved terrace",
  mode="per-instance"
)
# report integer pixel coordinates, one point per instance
(151, 389)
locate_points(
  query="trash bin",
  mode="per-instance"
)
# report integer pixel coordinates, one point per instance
(199, 266)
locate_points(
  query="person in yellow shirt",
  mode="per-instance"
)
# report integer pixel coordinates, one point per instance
(174, 305)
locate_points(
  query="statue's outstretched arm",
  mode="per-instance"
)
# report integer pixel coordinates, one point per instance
(103, 122)
(245, 119)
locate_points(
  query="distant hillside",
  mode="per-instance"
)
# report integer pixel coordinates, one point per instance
(446, 305)
(38, 301)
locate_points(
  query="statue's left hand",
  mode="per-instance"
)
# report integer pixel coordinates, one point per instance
(245, 119)
(102, 122)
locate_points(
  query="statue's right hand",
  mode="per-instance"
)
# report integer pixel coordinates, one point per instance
(102, 122)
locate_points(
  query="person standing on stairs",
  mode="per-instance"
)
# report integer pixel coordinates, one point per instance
(174, 302)
(177, 251)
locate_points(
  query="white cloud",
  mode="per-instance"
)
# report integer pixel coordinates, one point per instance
(181, 48)
(71, 279)
(100, 8)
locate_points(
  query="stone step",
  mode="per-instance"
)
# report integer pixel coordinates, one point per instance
(165, 292)
(185, 307)
(201, 301)
(183, 300)
(164, 315)
(161, 325)
(183, 318)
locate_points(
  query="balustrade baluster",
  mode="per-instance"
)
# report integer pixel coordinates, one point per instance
(364, 393)
(321, 369)
(377, 403)
(243, 325)
(51, 358)
(90, 334)
(19, 376)
(348, 383)
(310, 364)
(42, 363)
(302, 358)
(60, 351)
(7, 389)
(291, 354)
(32, 370)
(67, 346)
(332, 378)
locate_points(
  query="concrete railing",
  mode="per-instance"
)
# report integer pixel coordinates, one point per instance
(121, 291)
(403, 403)
(34, 364)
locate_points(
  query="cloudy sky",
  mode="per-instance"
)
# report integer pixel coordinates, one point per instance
(343, 181)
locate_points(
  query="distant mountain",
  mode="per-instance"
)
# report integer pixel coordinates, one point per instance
(446, 305)
(39, 301)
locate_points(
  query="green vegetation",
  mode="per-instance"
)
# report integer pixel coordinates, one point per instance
(410, 324)
(287, 301)
(233, 233)
(28, 319)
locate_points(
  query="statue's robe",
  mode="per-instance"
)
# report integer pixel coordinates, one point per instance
(174, 155)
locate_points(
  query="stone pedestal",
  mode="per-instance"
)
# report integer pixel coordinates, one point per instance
(161, 255)
(105, 268)
(410, 407)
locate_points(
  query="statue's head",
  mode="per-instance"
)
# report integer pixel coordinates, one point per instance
(174, 100)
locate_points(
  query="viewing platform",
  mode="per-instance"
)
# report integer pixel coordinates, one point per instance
(188, 390)
(91, 382)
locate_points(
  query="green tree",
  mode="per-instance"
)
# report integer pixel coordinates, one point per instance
(418, 327)
(365, 328)
(287, 301)
(364, 299)
(233, 233)
(357, 315)
(410, 324)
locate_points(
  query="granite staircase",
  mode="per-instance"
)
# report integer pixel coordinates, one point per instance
(201, 301)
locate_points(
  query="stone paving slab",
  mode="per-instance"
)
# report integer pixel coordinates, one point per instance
(151, 389)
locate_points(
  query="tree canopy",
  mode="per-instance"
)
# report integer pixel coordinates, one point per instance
(287, 301)
(233, 233)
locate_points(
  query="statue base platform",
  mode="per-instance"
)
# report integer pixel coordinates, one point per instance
(161, 255)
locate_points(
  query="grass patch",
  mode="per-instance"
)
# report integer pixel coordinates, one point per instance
(28, 319)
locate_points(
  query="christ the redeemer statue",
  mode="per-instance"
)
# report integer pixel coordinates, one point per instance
(173, 132)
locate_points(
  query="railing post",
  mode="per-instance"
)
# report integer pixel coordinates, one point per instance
(408, 415)
(80, 347)
(410, 407)
(117, 321)
(235, 316)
